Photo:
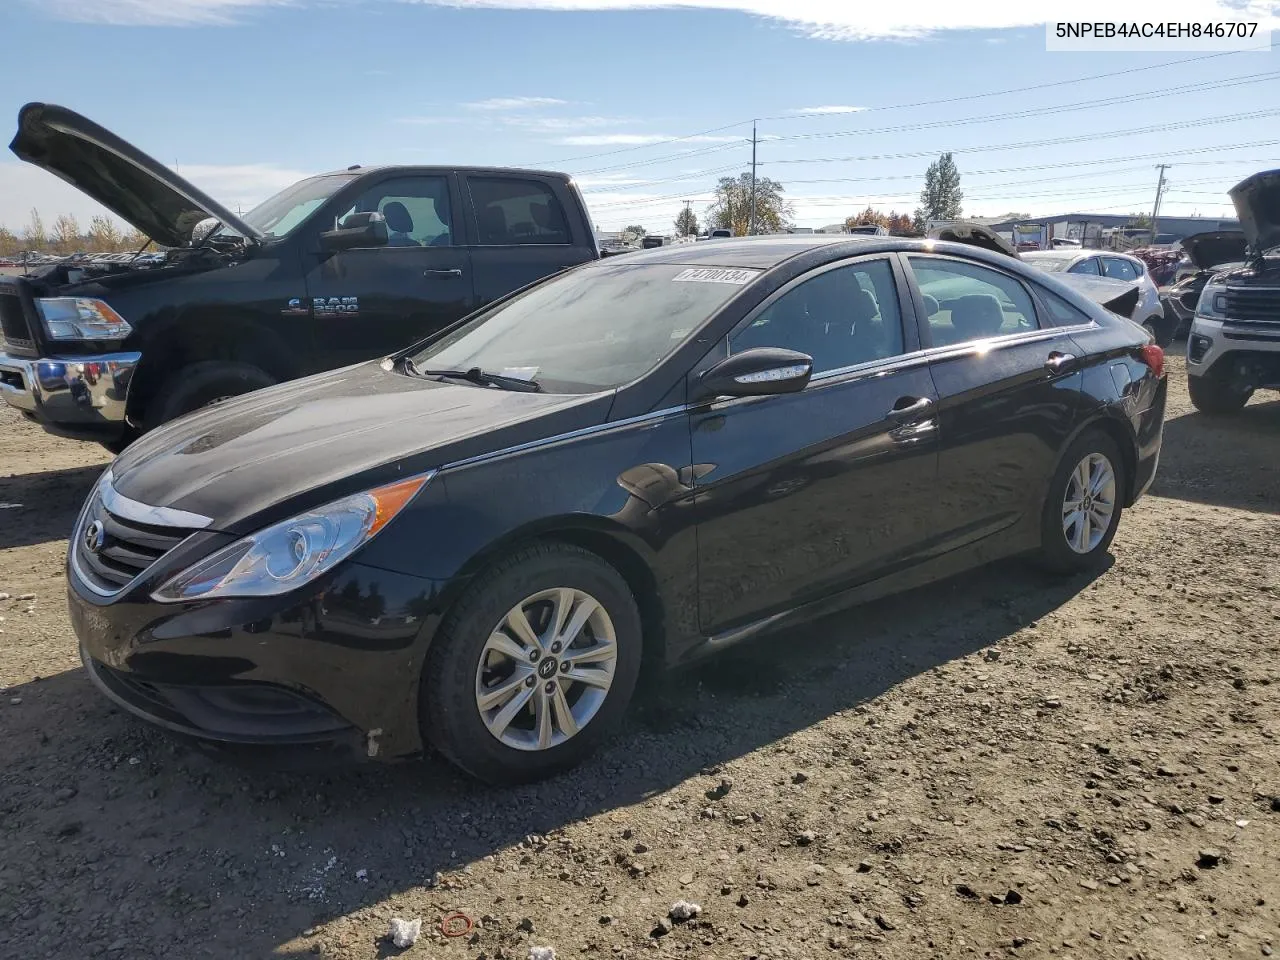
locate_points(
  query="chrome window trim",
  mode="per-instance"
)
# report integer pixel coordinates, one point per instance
(129, 509)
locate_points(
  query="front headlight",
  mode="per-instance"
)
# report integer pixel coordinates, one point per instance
(1213, 302)
(80, 318)
(293, 552)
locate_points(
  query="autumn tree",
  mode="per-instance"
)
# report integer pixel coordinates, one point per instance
(686, 223)
(867, 216)
(66, 234)
(34, 236)
(731, 209)
(8, 242)
(104, 235)
(941, 197)
(134, 239)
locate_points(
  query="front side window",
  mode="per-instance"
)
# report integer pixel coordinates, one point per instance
(840, 318)
(974, 302)
(595, 328)
(517, 212)
(1118, 268)
(416, 210)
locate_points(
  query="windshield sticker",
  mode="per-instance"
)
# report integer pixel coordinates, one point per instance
(715, 275)
(519, 373)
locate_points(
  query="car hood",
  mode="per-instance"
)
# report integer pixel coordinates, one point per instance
(976, 235)
(1257, 203)
(1208, 250)
(117, 174)
(295, 446)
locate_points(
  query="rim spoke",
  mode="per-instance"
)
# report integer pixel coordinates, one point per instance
(1081, 477)
(1101, 519)
(1101, 481)
(561, 608)
(1082, 532)
(490, 697)
(586, 607)
(600, 653)
(500, 642)
(543, 720)
(1070, 506)
(508, 713)
(563, 712)
(592, 678)
(521, 627)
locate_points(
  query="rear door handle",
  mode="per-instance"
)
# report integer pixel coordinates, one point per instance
(1059, 362)
(451, 272)
(908, 409)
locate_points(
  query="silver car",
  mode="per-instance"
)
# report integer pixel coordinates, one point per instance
(1119, 266)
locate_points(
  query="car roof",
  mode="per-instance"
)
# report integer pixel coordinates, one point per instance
(756, 252)
(360, 171)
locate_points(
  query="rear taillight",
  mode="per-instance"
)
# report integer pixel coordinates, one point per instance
(1153, 357)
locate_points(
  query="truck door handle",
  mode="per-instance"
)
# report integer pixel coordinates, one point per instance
(1059, 362)
(451, 272)
(911, 408)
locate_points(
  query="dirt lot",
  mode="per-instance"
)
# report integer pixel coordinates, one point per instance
(1001, 765)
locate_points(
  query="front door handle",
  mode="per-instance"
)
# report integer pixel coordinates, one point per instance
(451, 272)
(908, 409)
(1059, 362)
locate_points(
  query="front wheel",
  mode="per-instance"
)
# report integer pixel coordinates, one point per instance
(200, 384)
(1082, 512)
(534, 665)
(1216, 396)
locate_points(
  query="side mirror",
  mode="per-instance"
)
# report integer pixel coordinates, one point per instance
(758, 372)
(356, 230)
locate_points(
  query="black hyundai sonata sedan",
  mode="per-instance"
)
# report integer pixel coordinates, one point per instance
(476, 543)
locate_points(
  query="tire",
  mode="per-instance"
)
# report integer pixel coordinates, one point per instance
(1057, 553)
(200, 384)
(1160, 329)
(461, 666)
(1215, 397)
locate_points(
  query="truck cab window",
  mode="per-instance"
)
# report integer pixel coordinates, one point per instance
(416, 210)
(516, 212)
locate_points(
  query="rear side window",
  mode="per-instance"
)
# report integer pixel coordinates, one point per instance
(968, 302)
(1119, 269)
(516, 212)
(1089, 266)
(1062, 313)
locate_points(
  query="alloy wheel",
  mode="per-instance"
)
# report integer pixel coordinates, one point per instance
(1089, 503)
(546, 669)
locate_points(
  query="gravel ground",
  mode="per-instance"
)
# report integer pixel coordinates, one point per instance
(999, 765)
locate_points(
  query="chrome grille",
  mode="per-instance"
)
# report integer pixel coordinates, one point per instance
(1254, 304)
(118, 539)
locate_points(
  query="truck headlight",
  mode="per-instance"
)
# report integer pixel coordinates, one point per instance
(1213, 302)
(80, 318)
(294, 552)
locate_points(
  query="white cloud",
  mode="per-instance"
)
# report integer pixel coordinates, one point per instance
(827, 19)
(514, 103)
(829, 109)
(636, 139)
(560, 124)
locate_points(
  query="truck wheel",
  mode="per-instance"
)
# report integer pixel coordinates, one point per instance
(200, 384)
(1216, 396)
(534, 665)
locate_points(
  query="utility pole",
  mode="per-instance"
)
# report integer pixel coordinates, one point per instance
(751, 222)
(687, 205)
(1155, 208)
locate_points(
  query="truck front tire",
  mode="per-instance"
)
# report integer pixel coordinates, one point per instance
(1216, 396)
(200, 384)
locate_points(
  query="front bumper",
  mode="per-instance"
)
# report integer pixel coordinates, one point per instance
(80, 396)
(1227, 350)
(336, 664)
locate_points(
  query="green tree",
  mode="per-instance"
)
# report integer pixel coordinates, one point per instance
(633, 232)
(731, 209)
(941, 197)
(686, 223)
(8, 242)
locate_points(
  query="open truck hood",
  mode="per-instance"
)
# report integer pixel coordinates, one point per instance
(1257, 203)
(1208, 250)
(1118, 296)
(117, 174)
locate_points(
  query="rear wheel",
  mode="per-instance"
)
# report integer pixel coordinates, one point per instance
(1082, 511)
(1216, 396)
(1160, 329)
(201, 384)
(533, 667)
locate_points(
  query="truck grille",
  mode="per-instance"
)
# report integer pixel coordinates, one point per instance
(108, 550)
(13, 322)
(1254, 304)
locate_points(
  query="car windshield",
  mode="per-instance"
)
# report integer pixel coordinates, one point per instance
(278, 215)
(595, 328)
(1049, 264)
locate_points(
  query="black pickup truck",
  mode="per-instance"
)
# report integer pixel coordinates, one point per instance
(336, 269)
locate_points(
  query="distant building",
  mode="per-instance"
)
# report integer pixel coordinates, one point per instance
(1104, 230)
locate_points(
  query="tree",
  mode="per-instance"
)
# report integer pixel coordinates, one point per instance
(34, 236)
(686, 223)
(867, 216)
(104, 235)
(633, 232)
(8, 242)
(134, 239)
(731, 209)
(900, 224)
(941, 197)
(66, 234)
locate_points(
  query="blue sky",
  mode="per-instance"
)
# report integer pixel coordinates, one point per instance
(246, 96)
